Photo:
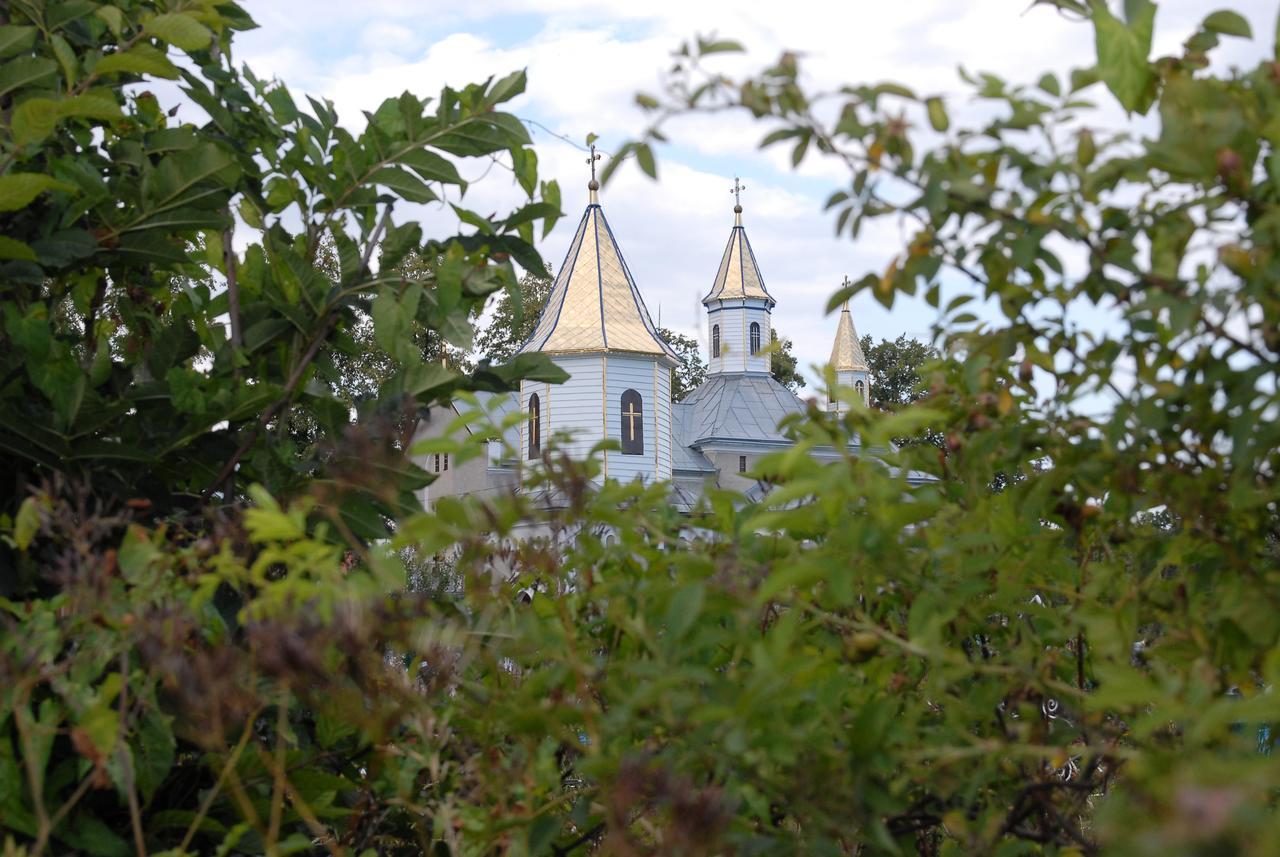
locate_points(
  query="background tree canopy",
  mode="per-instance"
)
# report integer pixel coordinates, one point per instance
(213, 643)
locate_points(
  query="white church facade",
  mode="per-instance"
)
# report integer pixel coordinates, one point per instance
(597, 329)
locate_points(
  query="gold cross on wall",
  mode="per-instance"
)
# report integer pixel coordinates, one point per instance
(631, 415)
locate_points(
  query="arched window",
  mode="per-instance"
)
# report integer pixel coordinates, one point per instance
(535, 427)
(755, 338)
(862, 394)
(715, 340)
(632, 423)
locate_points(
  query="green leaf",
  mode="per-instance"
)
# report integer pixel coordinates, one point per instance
(90, 105)
(1122, 53)
(1049, 83)
(686, 604)
(64, 247)
(1228, 23)
(113, 17)
(141, 59)
(937, 114)
(11, 248)
(152, 247)
(17, 190)
(26, 71)
(33, 120)
(404, 183)
(66, 58)
(15, 39)
(180, 30)
(154, 753)
(27, 523)
(187, 219)
(720, 46)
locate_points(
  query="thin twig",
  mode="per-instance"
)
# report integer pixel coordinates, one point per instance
(278, 779)
(126, 761)
(35, 775)
(217, 786)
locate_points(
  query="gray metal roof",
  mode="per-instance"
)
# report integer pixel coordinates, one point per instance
(737, 407)
(685, 457)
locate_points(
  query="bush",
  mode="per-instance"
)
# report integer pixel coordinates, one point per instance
(1064, 644)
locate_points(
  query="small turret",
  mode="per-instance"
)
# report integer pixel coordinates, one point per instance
(738, 305)
(848, 361)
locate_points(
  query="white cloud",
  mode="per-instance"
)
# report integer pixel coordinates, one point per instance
(587, 58)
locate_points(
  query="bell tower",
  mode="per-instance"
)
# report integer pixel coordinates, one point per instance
(738, 306)
(848, 361)
(595, 326)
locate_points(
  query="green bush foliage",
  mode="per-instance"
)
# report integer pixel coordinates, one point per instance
(1065, 643)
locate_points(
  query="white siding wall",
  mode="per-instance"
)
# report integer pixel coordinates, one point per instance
(850, 378)
(574, 406)
(661, 420)
(638, 373)
(590, 404)
(735, 320)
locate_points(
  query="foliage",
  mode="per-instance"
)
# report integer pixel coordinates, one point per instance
(1104, 681)
(692, 371)
(515, 315)
(177, 301)
(860, 663)
(896, 368)
(782, 362)
(898, 371)
(128, 366)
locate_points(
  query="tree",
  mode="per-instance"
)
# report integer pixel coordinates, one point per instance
(692, 371)
(895, 370)
(515, 315)
(782, 363)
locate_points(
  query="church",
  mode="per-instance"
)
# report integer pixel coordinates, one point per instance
(597, 329)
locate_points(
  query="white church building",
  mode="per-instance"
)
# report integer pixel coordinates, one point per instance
(595, 326)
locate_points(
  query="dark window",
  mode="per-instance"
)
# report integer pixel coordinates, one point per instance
(446, 462)
(742, 464)
(535, 427)
(755, 338)
(715, 340)
(436, 462)
(632, 423)
(857, 385)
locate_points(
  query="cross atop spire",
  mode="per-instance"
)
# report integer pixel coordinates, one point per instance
(844, 284)
(736, 190)
(593, 185)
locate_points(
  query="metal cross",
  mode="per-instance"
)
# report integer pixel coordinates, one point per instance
(631, 415)
(592, 161)
(738, 188)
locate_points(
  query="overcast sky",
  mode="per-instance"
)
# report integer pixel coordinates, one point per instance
(585, 62)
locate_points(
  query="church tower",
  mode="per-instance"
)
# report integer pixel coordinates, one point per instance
(738, 306)
(848, 362)
(595, 327)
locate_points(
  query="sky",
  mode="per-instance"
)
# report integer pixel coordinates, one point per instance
(586, 60)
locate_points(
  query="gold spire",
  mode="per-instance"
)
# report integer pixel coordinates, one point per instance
(846, 353)
(594, 305)
(739, 275)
